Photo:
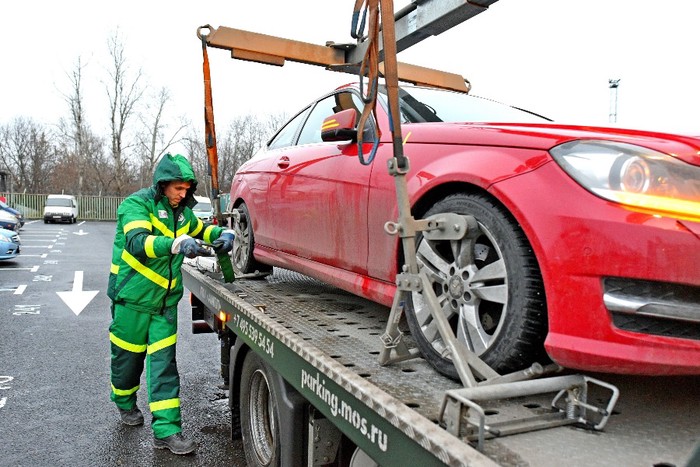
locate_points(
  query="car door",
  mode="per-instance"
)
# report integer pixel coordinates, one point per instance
(318, 194)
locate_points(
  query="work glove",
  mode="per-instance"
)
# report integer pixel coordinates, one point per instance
(224, 243)
(188, 246)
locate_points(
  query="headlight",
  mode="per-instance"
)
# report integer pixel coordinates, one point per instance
(633, 176)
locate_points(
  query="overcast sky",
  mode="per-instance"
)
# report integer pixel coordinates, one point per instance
(554, 57)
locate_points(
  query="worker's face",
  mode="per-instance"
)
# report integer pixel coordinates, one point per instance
(176, 191)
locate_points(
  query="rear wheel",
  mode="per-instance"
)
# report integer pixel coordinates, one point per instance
(489, 287)
(259, 413)
(243, 245)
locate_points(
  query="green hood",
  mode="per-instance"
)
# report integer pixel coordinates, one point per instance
(175, 168)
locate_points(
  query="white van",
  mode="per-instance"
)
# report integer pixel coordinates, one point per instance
(62, 208)
(203, 209)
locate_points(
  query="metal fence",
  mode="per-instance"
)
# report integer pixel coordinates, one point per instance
(91, 208)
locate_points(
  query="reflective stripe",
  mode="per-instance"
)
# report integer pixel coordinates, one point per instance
(161, 344)
(147, 273)
(197, 229)
(125, 392)
(148, 246)
(114, 268)
(207, 234)
(162, 227)
(138, 225)
(163, 405)
(122, 344)
(183, 230)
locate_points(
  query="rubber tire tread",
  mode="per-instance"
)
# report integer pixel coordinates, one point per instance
(521, 341)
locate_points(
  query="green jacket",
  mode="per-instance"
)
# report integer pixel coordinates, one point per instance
(144, 274)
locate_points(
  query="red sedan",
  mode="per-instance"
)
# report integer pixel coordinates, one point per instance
(588, 250)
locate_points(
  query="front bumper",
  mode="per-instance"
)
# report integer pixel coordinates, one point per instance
(622, 286)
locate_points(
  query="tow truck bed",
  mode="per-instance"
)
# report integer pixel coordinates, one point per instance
(325, 343)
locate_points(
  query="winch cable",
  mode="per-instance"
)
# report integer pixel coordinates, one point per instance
(372, 10)
(370, 67)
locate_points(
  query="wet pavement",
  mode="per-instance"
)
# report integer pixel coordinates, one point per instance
(54, 365)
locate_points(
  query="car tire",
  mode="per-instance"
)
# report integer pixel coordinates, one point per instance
(243, 245)
(259, 413)
(499, 312)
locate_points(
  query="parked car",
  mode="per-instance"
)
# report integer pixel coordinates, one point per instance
(9, 221)
(588, 241)
(203, 209)
(63, 208)
(20, 217)
(9, 244)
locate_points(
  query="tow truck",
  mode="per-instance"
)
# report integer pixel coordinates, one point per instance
(317, 376)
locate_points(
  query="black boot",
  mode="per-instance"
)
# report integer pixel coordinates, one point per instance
(131, 417)
(177, 443)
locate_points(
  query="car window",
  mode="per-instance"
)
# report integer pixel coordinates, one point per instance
(418, 105)
(65, 202)
(285, 137)
(311, 133)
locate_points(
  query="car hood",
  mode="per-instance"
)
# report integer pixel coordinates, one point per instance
(546, 136)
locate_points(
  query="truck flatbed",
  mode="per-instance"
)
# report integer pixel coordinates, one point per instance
(325, 343)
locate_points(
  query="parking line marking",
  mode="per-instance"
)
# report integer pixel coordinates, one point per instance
(32, 269)
(20, 290)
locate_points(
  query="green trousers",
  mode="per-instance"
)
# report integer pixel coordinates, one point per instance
(135, 337)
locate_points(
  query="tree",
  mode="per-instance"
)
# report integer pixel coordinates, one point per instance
(124, 93)
(26, 150)
(153, 141)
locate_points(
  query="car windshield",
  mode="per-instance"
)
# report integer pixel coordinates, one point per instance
(65, 202)
(420, 105)
(202, 206)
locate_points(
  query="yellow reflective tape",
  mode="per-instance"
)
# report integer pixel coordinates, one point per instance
(207, 234)
(122, 344)
(114, 268)
(161, 344)
(183, 230)
(148, 246)
(125, 392)
(197, 229)
(163, 405)
(138, 225)
(162, 227)
(147, 273)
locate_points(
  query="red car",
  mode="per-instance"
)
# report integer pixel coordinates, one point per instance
(588, 250)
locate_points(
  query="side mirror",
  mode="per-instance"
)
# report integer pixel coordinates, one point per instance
(340, 126)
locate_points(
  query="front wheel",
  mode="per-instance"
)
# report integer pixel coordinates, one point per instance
(489, 287)
(243, 244)
(259, 413)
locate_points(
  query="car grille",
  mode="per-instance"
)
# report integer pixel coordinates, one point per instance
(671, 310)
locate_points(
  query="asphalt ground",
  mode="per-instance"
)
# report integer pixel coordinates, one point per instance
(54, 363)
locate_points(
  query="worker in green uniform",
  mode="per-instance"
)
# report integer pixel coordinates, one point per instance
(156, 229)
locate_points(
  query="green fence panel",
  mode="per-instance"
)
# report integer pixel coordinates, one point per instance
(92, 208)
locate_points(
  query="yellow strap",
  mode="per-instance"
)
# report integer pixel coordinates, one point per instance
(163, 405)
(114, 269)
(138, 225)
(162, 227)
(147, 273)
(125, 392)
(161, 344)
(148, 246)
(122, 344)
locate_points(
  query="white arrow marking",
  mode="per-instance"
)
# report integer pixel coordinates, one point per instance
(80, 232)
(77, 299)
